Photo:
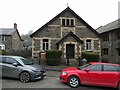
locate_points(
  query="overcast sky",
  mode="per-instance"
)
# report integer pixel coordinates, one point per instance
(32, 14)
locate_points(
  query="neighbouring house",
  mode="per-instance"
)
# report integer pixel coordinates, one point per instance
(10, 39)
(67, 32)
(110, 42)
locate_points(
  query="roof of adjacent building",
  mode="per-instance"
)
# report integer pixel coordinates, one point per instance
(71, 11)
(109, 27)
(7, 31)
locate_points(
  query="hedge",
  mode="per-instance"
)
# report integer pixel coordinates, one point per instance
(23, 53)
(53, 57)
(91, 56)
(3, 52)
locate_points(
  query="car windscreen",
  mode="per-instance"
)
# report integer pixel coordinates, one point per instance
(0, 59)
(118, 68)
(83, 66)
(26, 61)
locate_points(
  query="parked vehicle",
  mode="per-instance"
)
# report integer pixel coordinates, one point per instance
(93, 73)
(22, 68)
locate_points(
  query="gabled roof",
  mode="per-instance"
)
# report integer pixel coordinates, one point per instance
(7, 31)
(70, 34)
(109, 27)
(71, 11)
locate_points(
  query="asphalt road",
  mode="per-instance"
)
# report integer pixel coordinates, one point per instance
(50, 81)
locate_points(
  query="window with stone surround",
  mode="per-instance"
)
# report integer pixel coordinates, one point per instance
(118, 35)
(2, 47)
(89, 45)
(118, 51)
(68, 22)
(45, 44)
(2, 38)
(63, 22)
(105, 51)
(105, 38)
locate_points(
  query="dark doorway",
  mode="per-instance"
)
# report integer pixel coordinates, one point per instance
(70, 51)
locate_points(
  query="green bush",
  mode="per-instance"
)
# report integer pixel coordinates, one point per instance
(53, 57)
(91, 56)
(3, 52)
(53, 62)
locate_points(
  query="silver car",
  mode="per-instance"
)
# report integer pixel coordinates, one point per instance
(21, 68)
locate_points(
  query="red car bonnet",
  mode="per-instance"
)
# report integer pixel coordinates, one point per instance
(69, 69)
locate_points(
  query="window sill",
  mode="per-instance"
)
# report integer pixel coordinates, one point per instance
(89, 50)
(67, 26)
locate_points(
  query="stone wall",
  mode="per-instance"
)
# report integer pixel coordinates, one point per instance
(16, 42)
(112, 45)
(8, 42)
(54, 31)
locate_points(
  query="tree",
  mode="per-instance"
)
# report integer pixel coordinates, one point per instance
(27, 39)
(30, 32)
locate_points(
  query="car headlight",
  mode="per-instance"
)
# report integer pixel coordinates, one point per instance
(36, 71)
(63, 73)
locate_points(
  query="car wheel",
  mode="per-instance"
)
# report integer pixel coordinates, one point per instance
(119, 86)
(24, 77)
(73, 81)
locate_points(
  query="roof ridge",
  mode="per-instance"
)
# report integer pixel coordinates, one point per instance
(72, 12)
(111, 22)
(108, 27)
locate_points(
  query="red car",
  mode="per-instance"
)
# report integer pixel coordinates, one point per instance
(93, 73)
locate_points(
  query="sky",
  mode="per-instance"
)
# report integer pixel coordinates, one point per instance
(33, 14)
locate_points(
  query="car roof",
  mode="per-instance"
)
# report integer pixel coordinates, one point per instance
(10, 56)
(93, 63)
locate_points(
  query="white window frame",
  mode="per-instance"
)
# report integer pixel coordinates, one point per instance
(89, 45)
(45, 48)
(2, 47)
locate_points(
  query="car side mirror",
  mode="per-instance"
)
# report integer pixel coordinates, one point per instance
(87, 70)
(15, 64)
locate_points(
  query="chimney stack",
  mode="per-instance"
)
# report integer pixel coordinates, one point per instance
(15, 26)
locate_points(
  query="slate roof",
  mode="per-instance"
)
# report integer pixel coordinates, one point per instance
(109, 27)
(7, 31)
(71, 11)
(70, 34)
